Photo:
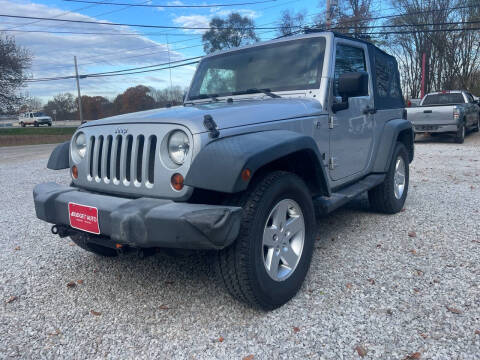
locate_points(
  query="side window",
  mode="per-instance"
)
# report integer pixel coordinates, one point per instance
(387, 85)
(31, 115)
(348, 59)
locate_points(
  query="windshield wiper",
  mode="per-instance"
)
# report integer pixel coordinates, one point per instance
(267, 92)
(213, 97)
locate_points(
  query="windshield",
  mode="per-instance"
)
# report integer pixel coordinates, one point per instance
(37, 114)
(290, 65)
(444, 99)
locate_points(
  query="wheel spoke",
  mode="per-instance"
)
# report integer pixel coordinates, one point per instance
(268, 235)
(280, 215)
(272, 262)
(294, 225)
(289, 256)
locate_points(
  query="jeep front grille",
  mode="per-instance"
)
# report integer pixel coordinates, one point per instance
(122, 159)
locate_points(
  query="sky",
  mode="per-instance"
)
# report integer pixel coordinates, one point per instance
(124, 47)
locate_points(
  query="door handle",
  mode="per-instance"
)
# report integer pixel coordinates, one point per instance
(369, 110)
(427, 111)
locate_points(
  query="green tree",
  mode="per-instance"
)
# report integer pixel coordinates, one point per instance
(14, 62)
(234, 31)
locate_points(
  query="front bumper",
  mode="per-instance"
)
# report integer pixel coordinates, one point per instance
(433, 128)
(144, 222)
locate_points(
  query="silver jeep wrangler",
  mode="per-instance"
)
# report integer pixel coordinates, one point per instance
(269, 136)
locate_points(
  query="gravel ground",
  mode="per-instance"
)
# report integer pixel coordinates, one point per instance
(396, 287)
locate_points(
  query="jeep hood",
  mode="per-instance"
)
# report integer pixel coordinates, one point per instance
(226, 115)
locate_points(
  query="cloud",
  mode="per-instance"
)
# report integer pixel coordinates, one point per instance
(204, 21)
(244, 12)
(53, 53)
(193, 21)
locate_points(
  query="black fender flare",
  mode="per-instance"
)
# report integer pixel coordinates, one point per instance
(388, 139)
(60, 157)
(219, 165)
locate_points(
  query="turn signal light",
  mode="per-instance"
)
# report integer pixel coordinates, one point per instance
(246, 173)
(177, 181)
(75, 172)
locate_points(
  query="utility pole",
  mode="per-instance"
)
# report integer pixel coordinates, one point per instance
(169, 66)
(78, 90)
(422, 85)
(331, 4)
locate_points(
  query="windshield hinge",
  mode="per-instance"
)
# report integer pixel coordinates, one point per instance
(211, 126)
(331, 163)
(332, 121)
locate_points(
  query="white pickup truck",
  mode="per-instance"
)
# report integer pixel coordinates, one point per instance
(35, 118)
(454, 112)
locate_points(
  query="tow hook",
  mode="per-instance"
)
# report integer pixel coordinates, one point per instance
(62, 230)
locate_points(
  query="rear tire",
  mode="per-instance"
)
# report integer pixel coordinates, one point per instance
(460, 137)
(389, 197)
(277, 214)
(82, 241)
(22, 124)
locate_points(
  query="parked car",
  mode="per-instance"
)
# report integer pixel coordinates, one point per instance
(35, 118)
(269, 135)
(451, 112)
(413, 102)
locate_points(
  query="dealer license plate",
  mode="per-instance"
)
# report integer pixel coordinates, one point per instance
(83, 218)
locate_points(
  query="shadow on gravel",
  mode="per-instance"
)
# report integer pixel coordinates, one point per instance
(191, 280)
(442, 138)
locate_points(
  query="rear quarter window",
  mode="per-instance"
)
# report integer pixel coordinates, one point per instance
(387, 82)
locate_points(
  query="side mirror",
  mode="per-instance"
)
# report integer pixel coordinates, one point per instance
(351, 84)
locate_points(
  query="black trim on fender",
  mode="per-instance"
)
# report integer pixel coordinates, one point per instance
(59, 158)
(219, 165)
(389, 137)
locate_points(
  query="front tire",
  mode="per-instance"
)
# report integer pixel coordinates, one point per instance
(35, 124)
(267, 264)
(389, 197)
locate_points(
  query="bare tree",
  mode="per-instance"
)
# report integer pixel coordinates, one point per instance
(169, 96)
(290, 22)
(14, 62)
(452, 57)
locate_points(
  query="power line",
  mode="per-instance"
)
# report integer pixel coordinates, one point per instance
(131, 25)
(98, 33)
(134, 70)
(407, 25)
(119, 72)
(172, 5)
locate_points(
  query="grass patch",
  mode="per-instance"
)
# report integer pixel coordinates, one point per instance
(40, 131)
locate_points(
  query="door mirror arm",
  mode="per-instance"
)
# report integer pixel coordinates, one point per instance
(340, 106)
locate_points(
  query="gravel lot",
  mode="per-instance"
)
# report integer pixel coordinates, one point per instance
(399, 287)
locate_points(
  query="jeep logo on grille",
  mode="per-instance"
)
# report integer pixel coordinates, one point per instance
(121, 131)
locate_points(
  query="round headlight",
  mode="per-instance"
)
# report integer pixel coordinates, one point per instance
(79, 147)
(178, 146)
